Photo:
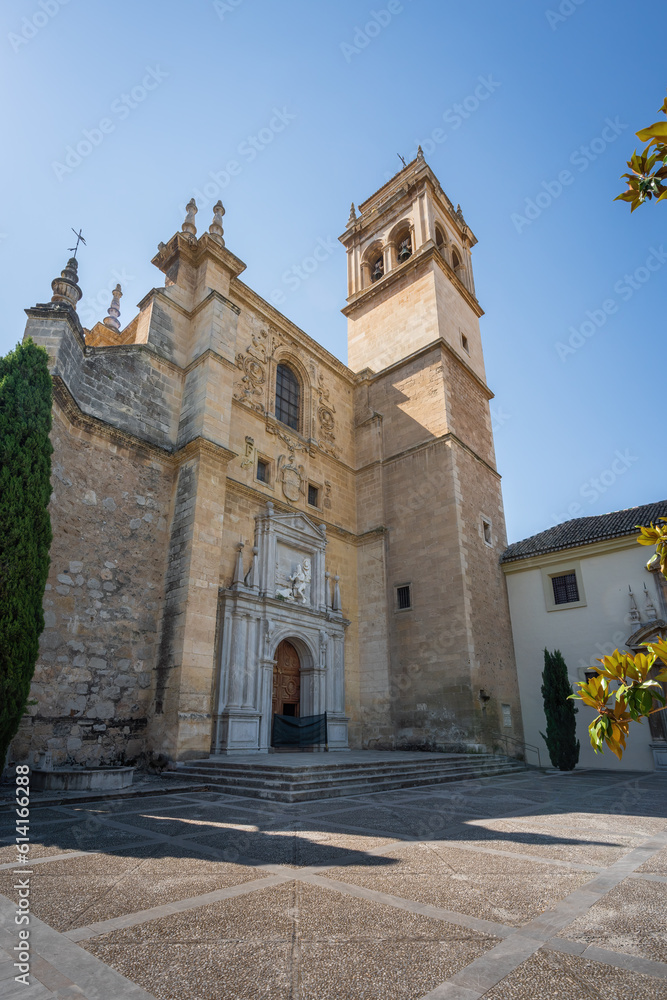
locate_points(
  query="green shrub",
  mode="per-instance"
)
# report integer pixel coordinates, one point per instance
(561, 737)
(25, 526)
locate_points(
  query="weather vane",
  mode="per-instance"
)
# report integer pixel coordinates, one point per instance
(401, 159)
(79, 239)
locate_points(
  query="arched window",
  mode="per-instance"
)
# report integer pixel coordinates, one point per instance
(456, 260)
(439, 239)
(287, 397)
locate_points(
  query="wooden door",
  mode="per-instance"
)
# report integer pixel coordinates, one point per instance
(286, 680)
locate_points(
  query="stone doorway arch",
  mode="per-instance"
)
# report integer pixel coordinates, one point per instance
(286, 680)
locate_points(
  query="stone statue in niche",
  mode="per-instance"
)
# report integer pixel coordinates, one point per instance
(299, 580)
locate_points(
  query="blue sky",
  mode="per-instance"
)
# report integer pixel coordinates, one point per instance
(312, 102)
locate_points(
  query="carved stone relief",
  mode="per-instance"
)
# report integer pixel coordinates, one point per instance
(293, 444)
(249, 453)
(326, 419)
(292, 477)
(296, 586)
(251, 390)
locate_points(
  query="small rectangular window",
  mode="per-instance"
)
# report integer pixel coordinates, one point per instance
(262, 471)
(313, 496)
(403, 597)
(486, 528)
(565, 588)
(464, 343)
(507, 716)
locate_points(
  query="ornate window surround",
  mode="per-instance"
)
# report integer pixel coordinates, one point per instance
(291, 361)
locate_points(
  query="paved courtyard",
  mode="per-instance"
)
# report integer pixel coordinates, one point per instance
(524, 887)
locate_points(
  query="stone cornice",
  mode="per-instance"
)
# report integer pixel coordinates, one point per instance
(204, 356)
(161, 293)
(70, 409)
(443, 439)
(60, 310)
(333, 530)
(202, 446)
(72, 412)
(228, 595)
(117, 349)
(402, 184)
(368, 376)
(193, 251)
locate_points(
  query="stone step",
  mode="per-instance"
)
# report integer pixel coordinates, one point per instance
(228, 765)
(320, 764)
(323, 777)
(292, 784)
(300, 794)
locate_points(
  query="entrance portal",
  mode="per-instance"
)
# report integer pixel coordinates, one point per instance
(287, 681)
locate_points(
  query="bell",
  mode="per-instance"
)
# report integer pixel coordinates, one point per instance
(404, 253)
(378, 270)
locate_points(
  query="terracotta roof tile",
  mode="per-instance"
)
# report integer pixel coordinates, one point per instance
(584, 530)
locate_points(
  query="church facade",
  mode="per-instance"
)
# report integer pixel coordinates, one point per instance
(244, 526)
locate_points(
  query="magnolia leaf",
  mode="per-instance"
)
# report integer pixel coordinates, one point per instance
(653, 132)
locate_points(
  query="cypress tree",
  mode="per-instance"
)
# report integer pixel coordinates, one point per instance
(25, 525)
(561, 738)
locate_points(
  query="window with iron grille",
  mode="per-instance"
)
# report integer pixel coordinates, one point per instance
(565, 588)
(262, 471)
(313, 496)
(287, 397)
(403, 597)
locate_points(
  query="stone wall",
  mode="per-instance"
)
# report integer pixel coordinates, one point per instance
(110, 510)
(129, 387)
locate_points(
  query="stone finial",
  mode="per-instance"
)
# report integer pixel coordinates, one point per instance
(633, 614)
(649, 608)
(420, 153)
(353, 215)
(112, 320)
(215, 229)
(189, 222)
(65, 288)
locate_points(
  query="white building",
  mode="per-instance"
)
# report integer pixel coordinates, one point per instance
(583, 587)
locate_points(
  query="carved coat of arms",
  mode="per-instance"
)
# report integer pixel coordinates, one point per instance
(291, 476)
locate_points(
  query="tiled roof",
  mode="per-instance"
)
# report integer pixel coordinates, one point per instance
(584, 530)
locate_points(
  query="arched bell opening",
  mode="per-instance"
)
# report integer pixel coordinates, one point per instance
(403, 246)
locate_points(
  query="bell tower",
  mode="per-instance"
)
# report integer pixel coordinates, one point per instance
(435, 636)
(409, 274)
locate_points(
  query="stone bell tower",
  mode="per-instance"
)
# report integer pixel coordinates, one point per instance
(409, 274)
(427, 470)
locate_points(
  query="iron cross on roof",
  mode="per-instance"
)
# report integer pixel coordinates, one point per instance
(79, 239)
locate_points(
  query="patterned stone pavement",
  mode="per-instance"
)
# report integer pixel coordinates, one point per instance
(524, 887)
